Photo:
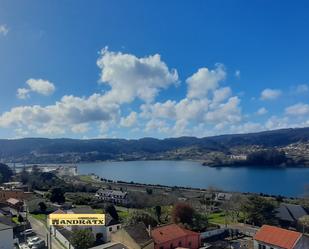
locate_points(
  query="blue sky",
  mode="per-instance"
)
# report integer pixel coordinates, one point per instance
(131, 69)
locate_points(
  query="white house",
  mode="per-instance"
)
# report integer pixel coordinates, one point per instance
(113, 196)
(6, 237)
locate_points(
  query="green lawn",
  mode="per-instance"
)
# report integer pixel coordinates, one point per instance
(40, 217)
(217, 218)
(86, 178)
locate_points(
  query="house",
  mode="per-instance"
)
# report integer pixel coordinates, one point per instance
(15, 203)
(289, 214)
(223, 196)
(15, 193)
(173, 236)
(104, 231)
(6, 237)
(270, 237)
(134, 237)
(113, 196)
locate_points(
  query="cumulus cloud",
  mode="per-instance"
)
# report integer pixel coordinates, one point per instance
(80, 128)
(3, 30)
(23, 93)
(129, 121)
(40, 86)
(205, 80)
(66, 113)
(299, 109)
(262, 111)
(214, 106)
(130, 77)
(270, 94)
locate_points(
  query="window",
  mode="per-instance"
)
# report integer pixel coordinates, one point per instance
(161, 247)
(179, 243)
(171, 246)
(118, 227)
(190, 243)
(110, 229)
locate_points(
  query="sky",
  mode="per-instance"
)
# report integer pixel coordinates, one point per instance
(133, 69)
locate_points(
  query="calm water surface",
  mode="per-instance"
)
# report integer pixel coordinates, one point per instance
(288, 182)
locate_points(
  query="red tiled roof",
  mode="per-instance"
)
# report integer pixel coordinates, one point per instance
(277, 236)
(169, 232)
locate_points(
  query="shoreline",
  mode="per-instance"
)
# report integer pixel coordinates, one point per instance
(181, 188)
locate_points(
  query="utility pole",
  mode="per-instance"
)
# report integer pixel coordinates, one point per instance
(50, 237)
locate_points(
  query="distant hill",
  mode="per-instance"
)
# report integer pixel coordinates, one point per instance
(68, 150)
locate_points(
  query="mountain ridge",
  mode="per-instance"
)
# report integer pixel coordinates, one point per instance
(30, 149)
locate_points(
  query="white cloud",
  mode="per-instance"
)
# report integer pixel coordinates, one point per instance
(80, 128)
(228, 112)
(262, 111)
(130, 120)
(221, 94)
(40, 86)
(270, 94)
(43, 87)
(70, 110)
(131, 77)
(23, 93)
(299, 109)
(205, 80)
(237, 74)
(3, 30)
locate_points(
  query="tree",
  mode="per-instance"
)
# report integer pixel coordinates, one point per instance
(233, 206)
(82, 239)
(43, 207)
(260, 211)
(158, 212)
(183, 213)
(144, 217)
(57, 195)
(111, 210)
(5, 173)
(149, 191)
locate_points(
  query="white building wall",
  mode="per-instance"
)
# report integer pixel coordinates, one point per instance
(63, 240)
(256, 245)
(6, 239)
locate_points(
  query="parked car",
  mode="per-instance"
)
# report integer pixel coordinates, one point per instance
(31, 241)
(38, 245)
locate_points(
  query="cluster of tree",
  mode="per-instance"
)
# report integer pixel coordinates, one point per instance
(184, 214)
(82, 239)
(5, 173)
(270, 157)
(259, 211)
(38, 180)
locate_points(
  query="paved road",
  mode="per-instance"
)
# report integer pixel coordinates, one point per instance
(40, 229)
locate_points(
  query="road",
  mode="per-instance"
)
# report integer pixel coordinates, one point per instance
(40, 229)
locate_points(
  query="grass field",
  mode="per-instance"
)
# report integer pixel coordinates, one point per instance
(217, 218)
(40, 217)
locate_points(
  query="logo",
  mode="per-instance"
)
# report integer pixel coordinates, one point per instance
(77, 219)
